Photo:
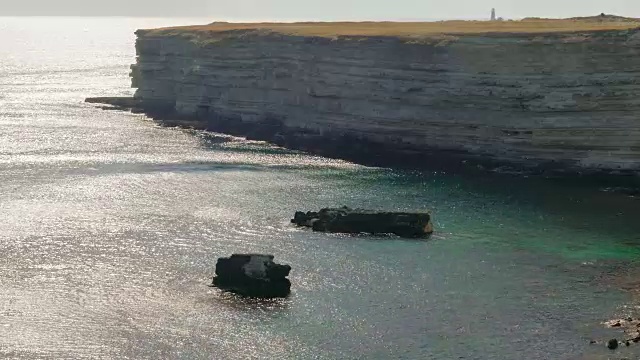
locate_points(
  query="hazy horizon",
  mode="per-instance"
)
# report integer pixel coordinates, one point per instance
(328, 10)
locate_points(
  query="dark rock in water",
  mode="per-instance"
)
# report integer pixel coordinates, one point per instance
(612, 344)
(354, 221)
(279, 140)
(253, 275)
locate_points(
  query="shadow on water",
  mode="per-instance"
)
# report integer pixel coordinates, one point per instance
(568, 196)
(375, 238)
(595, 216)
(591, 204)
(201, 166)
(579, 203)
(238, 303)
(227, 143)
(573, 218)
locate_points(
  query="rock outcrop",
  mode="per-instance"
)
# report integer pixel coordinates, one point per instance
(355, 221)
(630, 326)
(253, 275)
(563, 101)
(117, 103)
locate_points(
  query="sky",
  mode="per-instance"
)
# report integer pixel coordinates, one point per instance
(323, 10)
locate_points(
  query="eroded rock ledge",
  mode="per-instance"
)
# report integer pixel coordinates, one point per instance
(563, 101)
(356, 221)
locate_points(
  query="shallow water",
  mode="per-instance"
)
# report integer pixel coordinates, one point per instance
(110, 227)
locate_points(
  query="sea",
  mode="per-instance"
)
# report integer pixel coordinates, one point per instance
(111, 225)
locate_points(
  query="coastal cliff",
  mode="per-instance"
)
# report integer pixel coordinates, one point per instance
(560, 99)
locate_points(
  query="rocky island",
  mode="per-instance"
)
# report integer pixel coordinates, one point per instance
(252, 275)
(356, 221)
(536, 94)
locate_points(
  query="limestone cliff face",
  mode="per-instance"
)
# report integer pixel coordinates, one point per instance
(567, 99)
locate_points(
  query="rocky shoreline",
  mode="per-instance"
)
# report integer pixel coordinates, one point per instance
(362, 151)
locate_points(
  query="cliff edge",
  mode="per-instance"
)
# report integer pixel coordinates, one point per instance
(540, 93)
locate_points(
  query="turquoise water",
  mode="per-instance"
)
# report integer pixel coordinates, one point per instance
(111, 226)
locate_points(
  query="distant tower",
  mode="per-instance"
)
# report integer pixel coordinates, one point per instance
(493, 14)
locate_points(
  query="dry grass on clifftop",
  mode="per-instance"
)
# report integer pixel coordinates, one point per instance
(409, 29)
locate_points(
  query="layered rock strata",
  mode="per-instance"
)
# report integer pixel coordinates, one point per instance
(567, 101)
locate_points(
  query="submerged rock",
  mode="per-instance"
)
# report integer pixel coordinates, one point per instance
(116, 102)
(612, 344)
(354, 221)
(253, 275)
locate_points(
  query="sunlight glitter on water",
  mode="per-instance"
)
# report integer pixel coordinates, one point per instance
(111, 227)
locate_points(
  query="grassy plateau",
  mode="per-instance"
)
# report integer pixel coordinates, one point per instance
(415, 29)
